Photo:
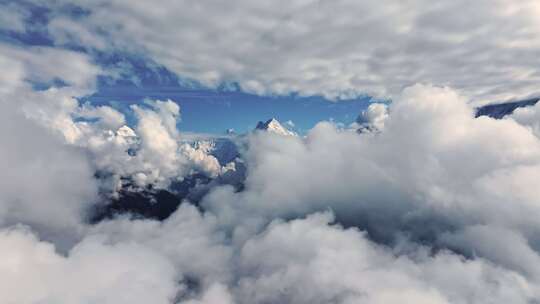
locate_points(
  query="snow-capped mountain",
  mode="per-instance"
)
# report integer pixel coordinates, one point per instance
(154, 202)
(272, 125)
(125, 131)
(222, 148)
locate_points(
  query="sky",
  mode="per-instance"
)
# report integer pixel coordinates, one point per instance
(209, 110)
(118, 183)
(215, 112)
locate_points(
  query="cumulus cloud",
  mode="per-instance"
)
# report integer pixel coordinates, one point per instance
(92, 271)
(108, 118)
(159, 138)
(201, 158)
(215, 294)
(309, 261)
(54, 145)
(500, 245)
(150, 154)
(528, 116)
(434, 168)
(46, 182)
(373, 117)
(44, 65)
(338, 49)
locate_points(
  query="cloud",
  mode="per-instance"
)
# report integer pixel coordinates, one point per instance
(290, 124)
(12, 18)
(338, 49)
(201, 159)
(157, 157)
(215, 294)
(44, 65)
(159, 137)
(310, 261)
(108, 117)
(528, 116)
(183, 259)
(305, 260)
(487, 241)
(191, 241)
(433, 169)
(46, 183)
(373, 117)
(54, 146)
(150, 154)
(92, 271)
(437, 207)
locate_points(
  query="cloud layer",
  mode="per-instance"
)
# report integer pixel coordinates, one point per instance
(338, 49)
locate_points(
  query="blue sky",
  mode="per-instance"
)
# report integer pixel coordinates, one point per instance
(208, 110)
(215, 111)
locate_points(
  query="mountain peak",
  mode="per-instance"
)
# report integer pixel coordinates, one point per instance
(125, 131)
(500, 110)
(274, 126)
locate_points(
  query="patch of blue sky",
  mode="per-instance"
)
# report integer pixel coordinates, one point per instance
(214, 111)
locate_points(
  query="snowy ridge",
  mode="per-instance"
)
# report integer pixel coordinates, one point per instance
(272, 125)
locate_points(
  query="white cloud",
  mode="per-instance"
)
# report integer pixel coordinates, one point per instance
(12, 18)
(486, 49)
(216, 294)
(45, 65)
(528, 116)
(108, 117)
(202, 160)
(159, 157)
(309, 261)
(290, 124)
(46, 183)
(502, 246)
(374, 116)
(159, 137)
(434, 168)
(193, 242)
(93, 271)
